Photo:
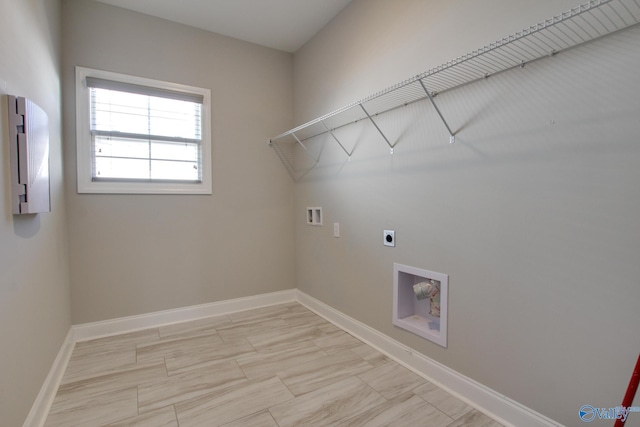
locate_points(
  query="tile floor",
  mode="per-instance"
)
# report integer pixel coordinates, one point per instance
(274, 366)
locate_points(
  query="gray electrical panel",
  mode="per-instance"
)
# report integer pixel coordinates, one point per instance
(29, 152)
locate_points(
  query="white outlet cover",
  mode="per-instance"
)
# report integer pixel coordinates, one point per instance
(389, 238)
(314, 216)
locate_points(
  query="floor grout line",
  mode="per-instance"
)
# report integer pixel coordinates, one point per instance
(175, 414)
(294, 357)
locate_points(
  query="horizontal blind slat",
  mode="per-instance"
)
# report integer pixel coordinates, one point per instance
(150, 181)
(145, 137)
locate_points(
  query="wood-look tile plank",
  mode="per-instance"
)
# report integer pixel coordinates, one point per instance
(370, 354)
(269, 363)
(336, 341)
(405, 410)
(92, 410)
(391, 379)
(313, 374)
(110, 359)
(306, 317)
(284, 336)
(203, 356)
(261, 419)
(327, 405)
(249, 328)
(188, 385)
(232, 403)
(103, 355)
(193, 328)
(163, 417)
(281, 363)
(453, 407)
(474, 418)
(127, 339)
(124, 377)
(328, 328)
(176, 347)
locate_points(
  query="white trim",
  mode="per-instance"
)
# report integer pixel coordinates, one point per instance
(41, 406)
(484, 399)
(405, 303)
(85, 184)
(495, 405)
(89, 331)
(83, 332)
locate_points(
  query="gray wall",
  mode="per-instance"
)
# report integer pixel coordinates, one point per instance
(133, 254)
(533, 213)
(34, 278)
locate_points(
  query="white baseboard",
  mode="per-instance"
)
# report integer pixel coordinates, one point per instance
(495, 405)
(41, 406)
(89, 331)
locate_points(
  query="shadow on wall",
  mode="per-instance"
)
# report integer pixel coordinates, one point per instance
(4, 137)
(529, 113)
(26, 226)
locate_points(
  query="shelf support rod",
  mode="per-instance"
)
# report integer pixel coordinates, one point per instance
(305, 148)
(336, 139)
(374, 123)
(452, 137)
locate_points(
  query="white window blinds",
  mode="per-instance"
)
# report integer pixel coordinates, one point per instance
(142, 133)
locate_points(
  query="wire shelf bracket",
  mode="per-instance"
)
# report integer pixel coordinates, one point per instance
(582, 24)
(377, 127)
(452, 137)
(337, 140)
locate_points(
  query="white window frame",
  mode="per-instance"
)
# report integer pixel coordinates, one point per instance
(86, 184)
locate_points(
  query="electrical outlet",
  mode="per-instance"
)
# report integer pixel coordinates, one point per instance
(389, 238)
(314, 216)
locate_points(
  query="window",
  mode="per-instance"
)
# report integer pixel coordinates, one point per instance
(137, 135)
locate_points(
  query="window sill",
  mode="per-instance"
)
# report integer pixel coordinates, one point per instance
(143, 188)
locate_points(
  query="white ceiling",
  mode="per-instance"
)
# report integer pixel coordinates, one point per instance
(281, 24)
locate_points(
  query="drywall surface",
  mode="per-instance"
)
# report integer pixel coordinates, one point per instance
(34, 277)
(533, 212)
(133, 254)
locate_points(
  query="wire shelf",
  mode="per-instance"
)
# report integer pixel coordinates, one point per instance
(582, 24)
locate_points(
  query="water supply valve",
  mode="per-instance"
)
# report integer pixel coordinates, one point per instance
(429, 289)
